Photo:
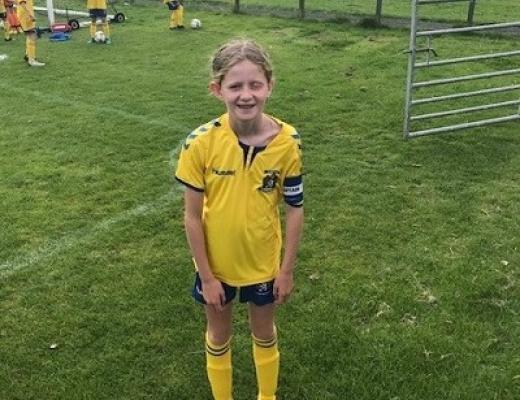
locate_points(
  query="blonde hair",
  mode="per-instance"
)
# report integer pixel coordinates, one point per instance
(235, 51)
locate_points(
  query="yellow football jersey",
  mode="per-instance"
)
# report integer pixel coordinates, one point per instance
(97, 4)
(26, 14)
(243, 187)
(29, 4)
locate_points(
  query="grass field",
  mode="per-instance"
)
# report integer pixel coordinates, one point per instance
(408, 276)
(485, 10)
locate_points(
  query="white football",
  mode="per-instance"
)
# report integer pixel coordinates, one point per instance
(195, 23)
(99, 37)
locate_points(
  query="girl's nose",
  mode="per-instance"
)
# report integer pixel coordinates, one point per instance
(246, 94)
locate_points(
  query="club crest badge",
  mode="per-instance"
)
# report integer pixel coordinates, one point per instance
(269, 181)
(262, 288)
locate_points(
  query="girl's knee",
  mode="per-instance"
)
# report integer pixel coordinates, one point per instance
(219, 337)
(262, 321)
(266, 332)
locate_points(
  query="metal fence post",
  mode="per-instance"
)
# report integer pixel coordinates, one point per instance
(471, 11)
(236, 8)
(302, 8)
(412, 53)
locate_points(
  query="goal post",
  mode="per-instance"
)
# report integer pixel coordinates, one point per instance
(50, 12)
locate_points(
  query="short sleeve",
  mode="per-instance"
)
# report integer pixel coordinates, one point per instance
(191, 166)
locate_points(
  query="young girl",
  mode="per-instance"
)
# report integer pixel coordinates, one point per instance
(25, 11)
(3, 17)
(97, 10)
(177, 13)
(12, 24)
(237, 169)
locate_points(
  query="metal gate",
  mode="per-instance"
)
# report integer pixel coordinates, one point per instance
(412, 86)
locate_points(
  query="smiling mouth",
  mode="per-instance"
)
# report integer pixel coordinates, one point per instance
(245, 106)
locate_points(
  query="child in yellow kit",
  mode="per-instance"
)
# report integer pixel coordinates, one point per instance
(3, 17)
(237, 169)
(177, 13)
(97, 10)
(25, 13)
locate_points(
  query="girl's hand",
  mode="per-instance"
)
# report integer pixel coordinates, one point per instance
(283, 286)
(213, 293)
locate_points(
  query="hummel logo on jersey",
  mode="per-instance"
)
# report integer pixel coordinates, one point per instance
(223, 172)
(269, 181)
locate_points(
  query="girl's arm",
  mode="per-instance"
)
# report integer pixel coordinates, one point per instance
(212, 289)
(284, 282)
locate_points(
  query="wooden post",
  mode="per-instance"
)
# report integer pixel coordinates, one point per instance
(471, 11)
(302, 8)
(236, 8)
(379, 11)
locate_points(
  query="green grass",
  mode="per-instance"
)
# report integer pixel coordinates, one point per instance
(407, 283)
(485, 10)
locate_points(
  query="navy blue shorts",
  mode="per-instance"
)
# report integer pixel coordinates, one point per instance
(259, 294)
(173, 5)
(97, 13)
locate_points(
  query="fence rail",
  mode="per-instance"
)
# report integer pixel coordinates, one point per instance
(412, 85)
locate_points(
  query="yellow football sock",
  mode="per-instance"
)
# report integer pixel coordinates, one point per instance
(180, 16)
(267, 364)
(106, 29)
(220, 373)
(7, 29)
(92, 29)
(30, 47)
(172, 19)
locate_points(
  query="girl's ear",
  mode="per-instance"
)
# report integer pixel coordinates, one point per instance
(271, 87)
(215, 89)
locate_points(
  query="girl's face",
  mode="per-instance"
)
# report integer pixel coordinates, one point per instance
(244, 90)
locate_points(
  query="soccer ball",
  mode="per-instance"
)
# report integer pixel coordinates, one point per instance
(195, 23)
(99, 37)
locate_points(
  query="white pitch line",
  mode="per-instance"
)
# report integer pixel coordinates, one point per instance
(58, 246)
(50, 98)
(81, 236)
